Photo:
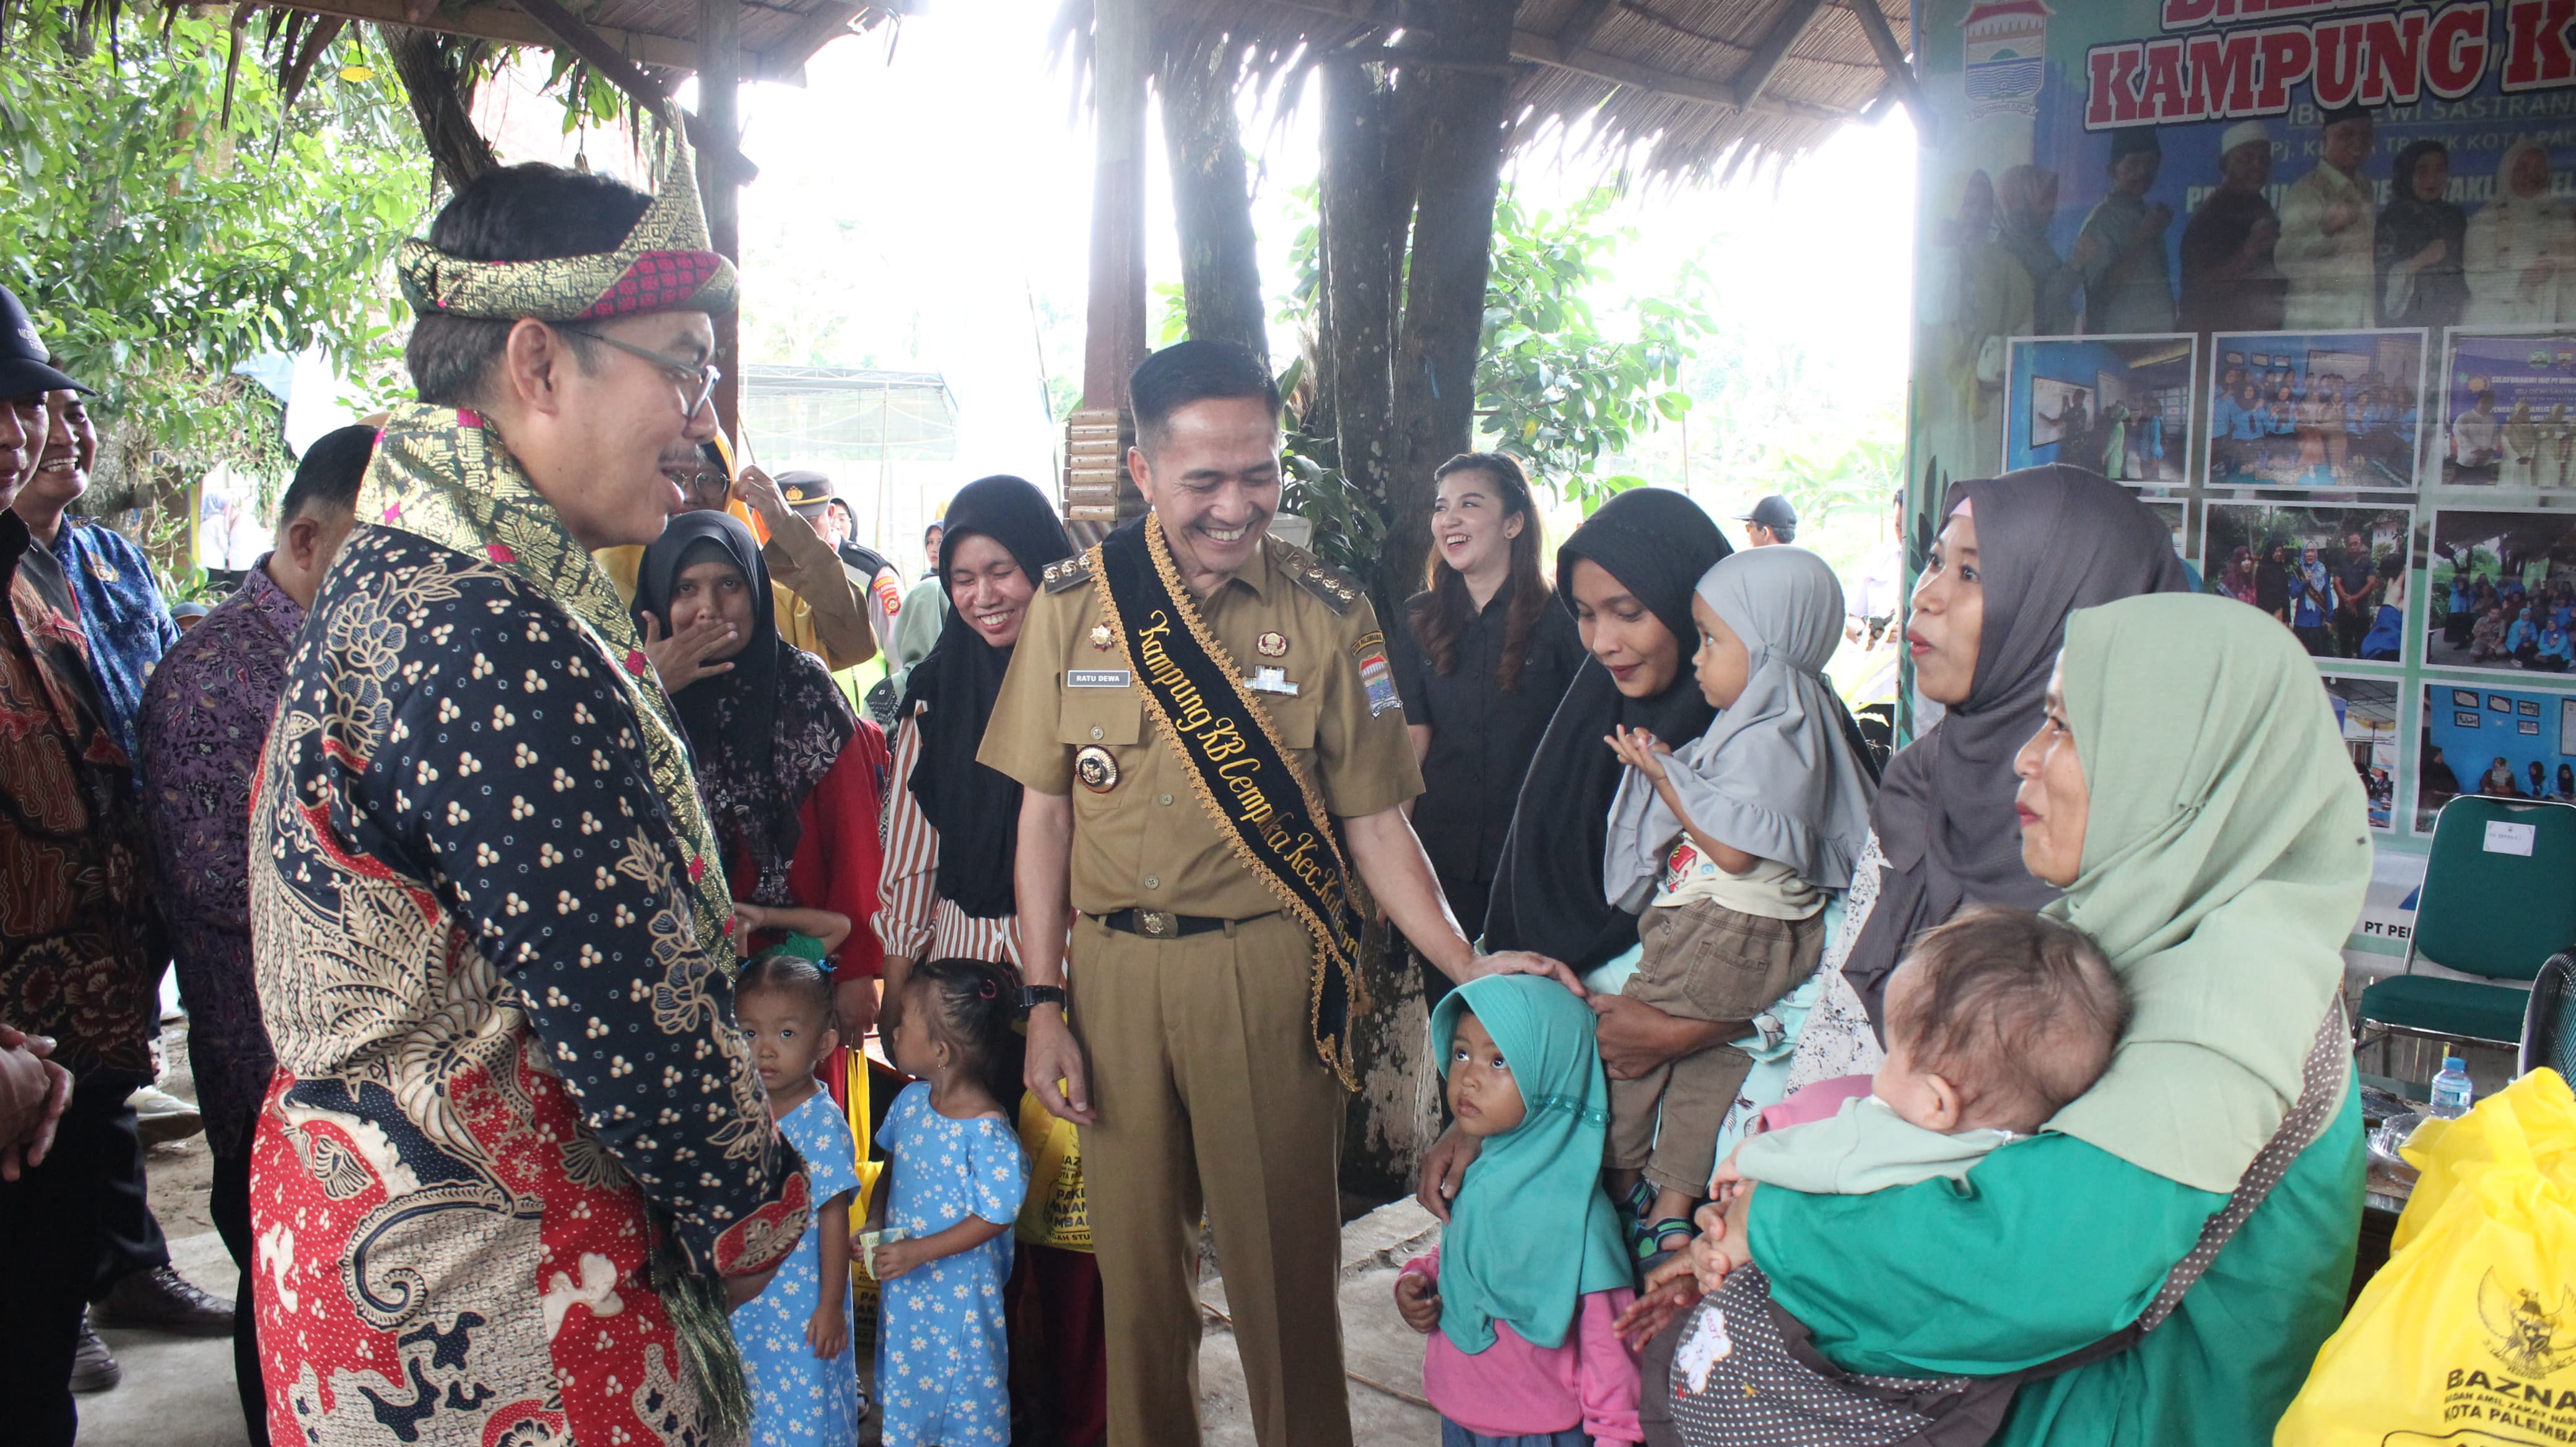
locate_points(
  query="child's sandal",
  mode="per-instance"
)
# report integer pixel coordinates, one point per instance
(1640, 1202)
(1651, 1250)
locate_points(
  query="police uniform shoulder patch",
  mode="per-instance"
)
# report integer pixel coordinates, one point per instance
(1070, 572)
(1338, 589)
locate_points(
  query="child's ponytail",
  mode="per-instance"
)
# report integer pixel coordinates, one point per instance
(977, 1006)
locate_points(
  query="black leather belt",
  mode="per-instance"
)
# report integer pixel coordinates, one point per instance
(1157, 924)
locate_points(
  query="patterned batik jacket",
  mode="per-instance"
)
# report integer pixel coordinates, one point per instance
(495, 963)
(205, 715)
(121, 609)
(79, 957)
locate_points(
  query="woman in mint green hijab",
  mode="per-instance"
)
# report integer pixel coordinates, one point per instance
(2189, 791)
(1532, 1268)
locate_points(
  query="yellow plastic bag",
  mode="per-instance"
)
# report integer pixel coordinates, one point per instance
(854, 1100)
(2467, 1337)
(1055, 1212)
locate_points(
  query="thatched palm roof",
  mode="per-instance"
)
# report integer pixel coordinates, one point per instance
(1709, 83)
(778, 36)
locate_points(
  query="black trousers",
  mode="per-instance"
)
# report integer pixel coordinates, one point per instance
(129, 1238)
(228, 1201)
(2350, 628)
(53, 1236)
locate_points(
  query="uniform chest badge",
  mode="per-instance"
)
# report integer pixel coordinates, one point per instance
(1272, 645)
(105, 571)
(1097, 768)
(1102, 636)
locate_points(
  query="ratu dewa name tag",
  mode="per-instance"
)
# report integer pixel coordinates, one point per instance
(1098, 678)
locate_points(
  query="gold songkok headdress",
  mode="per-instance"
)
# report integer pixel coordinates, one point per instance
(664, 264)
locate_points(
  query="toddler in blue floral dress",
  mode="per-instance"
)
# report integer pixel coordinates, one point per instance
(943, 1357)
(795, 1335)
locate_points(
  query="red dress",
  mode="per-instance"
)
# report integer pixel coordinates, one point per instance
(838, 856)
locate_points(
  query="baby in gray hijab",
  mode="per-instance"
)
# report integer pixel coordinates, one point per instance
(1728, 849)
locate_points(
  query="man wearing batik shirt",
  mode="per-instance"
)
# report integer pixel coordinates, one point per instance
(108, 580)
(205, 716)
(79, 962)
(516, 1156)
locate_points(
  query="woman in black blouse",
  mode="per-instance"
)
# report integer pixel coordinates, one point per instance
(1481, 661)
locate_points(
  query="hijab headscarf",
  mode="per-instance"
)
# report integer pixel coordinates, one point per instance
(975, 808)
(765, 732)
(2405, 227)
(1775, 774)
(1535, 1190)
(1547, 889)
(2049, 540)
(2223, 866)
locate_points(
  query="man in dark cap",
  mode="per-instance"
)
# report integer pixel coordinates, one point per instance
(1771, 522)
(2127, 285)
(79, 954)
(2327, 231)
(874, 586)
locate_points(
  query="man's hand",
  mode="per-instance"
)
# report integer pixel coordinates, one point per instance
(739, 1290)
(1053, 1056)
(1524, 962)
(680, 660)
(1417, 1300)
(34, 1091)
(759, 492)
(1443, 1167)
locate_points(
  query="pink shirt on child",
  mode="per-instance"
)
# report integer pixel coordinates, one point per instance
(1515, 1389)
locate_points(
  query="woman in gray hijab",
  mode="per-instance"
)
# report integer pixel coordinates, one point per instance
(2015, 555)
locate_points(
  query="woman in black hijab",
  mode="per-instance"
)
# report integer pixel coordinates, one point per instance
(952, 831)
(790, 776)
(2420, 243)
(1627, 576)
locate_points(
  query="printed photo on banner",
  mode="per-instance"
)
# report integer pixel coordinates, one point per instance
(2502, 591)
(2120, 406)
(2366, 709)
(2335, 576)
(2485, 741)
(2129, 167)
(2173, 514)
(2317, 409)
(2508, 409)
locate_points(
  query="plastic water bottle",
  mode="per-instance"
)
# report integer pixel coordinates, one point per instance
(2451, 1089)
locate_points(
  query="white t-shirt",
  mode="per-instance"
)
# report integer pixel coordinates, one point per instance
(1769, 889)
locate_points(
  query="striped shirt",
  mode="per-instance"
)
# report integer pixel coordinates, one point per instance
(912, 920)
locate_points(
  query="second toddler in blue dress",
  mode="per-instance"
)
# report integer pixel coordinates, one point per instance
(943, 1356)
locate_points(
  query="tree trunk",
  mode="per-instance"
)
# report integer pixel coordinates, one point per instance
(440, 97)
(1461, 147)
(1369, 167)
(1114, 322)
(719, 110)
(1212, 199)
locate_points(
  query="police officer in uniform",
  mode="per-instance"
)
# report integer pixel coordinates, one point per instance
(1199, 1050)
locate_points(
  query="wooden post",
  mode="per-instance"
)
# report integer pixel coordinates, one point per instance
(720, 114)
(1114, 323)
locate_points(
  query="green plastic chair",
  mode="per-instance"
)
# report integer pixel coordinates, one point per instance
(2549, 1026)
(2484, 910)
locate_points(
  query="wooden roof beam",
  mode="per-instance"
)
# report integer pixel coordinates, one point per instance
(1766, 59)
(1891, 58)
(514, 26)
(1576, 32)
(640, 85)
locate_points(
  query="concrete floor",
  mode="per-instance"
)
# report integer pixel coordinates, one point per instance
(178, 1392)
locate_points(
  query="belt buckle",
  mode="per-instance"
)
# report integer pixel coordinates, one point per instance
(1156, 924)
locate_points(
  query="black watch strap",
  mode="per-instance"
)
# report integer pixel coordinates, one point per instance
(1032, 996)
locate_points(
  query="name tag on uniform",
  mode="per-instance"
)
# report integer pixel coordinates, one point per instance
(1098, 678)
(1271, 680)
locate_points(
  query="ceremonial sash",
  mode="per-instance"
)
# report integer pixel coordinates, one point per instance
(1262, 803)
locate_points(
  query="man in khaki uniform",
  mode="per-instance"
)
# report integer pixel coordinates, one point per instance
(1196, 993)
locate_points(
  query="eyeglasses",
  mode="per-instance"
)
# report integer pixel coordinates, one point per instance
(704, 374)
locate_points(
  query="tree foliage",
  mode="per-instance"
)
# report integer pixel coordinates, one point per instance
(171, 217)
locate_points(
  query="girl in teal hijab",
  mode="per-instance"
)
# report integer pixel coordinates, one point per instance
(1532, 1242)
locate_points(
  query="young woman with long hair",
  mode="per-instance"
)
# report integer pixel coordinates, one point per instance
(1481, 659)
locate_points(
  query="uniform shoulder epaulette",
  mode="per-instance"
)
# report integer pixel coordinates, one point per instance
(1339, 590)
(1070, 572)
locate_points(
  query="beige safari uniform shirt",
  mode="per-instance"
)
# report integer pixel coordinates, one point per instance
(1147, 842)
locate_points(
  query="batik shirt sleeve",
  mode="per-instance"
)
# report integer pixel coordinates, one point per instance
(512, 777)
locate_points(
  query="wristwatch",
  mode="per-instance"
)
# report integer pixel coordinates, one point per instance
(1032, 996)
